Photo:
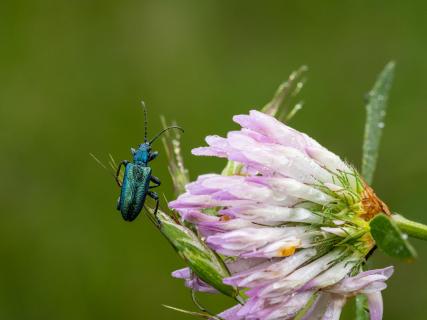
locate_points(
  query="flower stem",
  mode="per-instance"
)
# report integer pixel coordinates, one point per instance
(411, 228)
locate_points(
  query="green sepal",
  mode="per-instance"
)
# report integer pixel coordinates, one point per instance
(205, 263)
(232, 168)
(390, 239)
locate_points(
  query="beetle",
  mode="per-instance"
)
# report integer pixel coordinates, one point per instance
(138, 180)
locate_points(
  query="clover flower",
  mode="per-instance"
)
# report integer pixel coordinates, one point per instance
(290, 219)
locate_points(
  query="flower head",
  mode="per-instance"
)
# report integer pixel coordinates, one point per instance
(290, 220)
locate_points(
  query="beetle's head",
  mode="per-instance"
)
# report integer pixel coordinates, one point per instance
(142, 155)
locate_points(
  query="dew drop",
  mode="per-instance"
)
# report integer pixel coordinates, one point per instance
(380, 98)
(381, 125)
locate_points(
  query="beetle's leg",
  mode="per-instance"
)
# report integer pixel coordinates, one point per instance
(123, 162)
(153, 155)
(156, 182)
(155, 197)
(118, 204)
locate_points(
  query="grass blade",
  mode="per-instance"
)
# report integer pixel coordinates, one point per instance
(278, 106)
(201, 315)
(376, 111)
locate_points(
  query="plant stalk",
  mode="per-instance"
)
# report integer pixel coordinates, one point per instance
(411, 228)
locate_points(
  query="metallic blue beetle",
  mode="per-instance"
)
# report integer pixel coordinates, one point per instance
(137, 177)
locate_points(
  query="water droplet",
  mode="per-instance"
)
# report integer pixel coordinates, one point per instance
(381, 125)
(380, 98)
(404, 236)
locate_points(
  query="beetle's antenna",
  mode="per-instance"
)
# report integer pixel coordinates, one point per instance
(145, 120)
(164, 130)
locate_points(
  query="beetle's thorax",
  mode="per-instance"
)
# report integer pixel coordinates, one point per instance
(142, 155)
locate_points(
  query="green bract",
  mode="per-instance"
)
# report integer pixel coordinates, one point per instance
(202, 260)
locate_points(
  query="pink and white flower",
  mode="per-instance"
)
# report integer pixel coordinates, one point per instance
(291, 223)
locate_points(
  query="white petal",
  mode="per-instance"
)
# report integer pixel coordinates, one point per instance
(302, 275)
(299, 190)
(284, 160)
(281, 248)
(250, 239)
(328, 159)
(318, 308)
(341, 232)
(271, 271)
(268, 214)
(291, 307)
(334, 309)
(334, 274)
(365, 280)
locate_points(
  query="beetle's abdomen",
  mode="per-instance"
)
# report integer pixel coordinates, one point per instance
(135, 185)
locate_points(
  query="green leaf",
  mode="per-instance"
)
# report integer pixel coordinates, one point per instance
(390, 239)
(376, 111)
(205, 263)
(362, 310)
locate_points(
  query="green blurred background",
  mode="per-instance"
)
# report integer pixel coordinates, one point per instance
(72, 74)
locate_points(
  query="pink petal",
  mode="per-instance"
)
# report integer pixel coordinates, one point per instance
(375, 302)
